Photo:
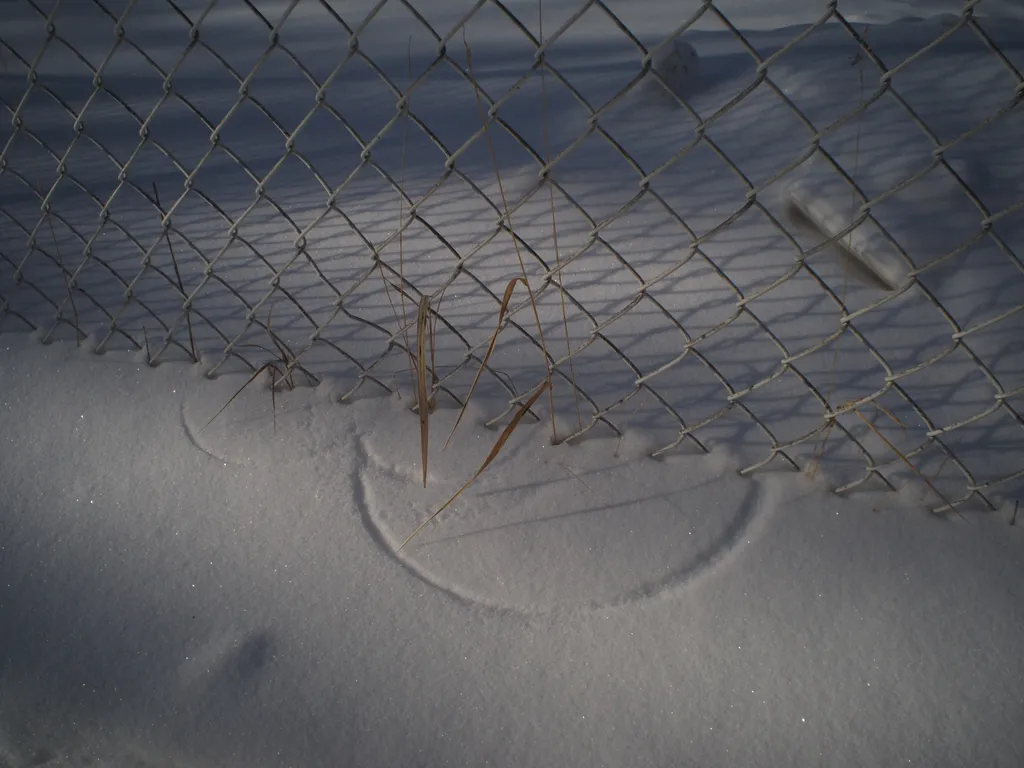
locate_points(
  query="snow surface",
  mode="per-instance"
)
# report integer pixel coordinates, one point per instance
(171, 596)
(175, 594)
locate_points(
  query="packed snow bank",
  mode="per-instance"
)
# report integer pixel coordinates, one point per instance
(178, 597)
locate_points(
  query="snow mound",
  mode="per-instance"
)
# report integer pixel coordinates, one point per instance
(678, 66)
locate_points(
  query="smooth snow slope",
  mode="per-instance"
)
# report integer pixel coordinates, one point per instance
(229, 597)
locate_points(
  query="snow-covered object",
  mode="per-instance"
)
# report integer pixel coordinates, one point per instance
(824, 198)
(677, 64)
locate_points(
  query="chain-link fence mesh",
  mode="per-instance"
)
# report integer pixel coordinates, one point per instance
(801, 243)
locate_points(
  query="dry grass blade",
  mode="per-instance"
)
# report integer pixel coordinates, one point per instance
(287, 356)
(79, 334)
(432, 340)
(498, 445)
(847, 265)
(812, 466)
(280, 369)
(177, 275)
(422, 396)
(580, 479)
(891, 416)
(909, 464)
(401, 222)
(815, 462)
(554, 219)
(509, 288)
(403, 321)
(266, 366)
(515, 240)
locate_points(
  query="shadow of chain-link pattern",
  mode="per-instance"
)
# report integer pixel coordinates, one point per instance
(65, 305)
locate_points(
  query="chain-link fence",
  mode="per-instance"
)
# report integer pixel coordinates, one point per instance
(800, 241)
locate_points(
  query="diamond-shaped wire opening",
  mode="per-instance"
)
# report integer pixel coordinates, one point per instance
(609, 282)
(569, 55)
(950, 80)
(460, 215)
(445, 105)
(980, 283)
(501, 49)
(545, 114)
(128, 79)
(362, 98)
(48, 118)
(997, 435)
(824, 75)
(781, 141)
(239, 33)
(950, 391)
(999, 345)
(700, 186)
(628, 122)
(995, 185)
(784, 402)
(691, 386)
(597, 177)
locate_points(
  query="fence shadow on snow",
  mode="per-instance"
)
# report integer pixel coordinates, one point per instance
(703, 288)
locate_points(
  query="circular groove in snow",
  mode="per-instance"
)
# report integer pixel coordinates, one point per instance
(544, 528)
(549, 527)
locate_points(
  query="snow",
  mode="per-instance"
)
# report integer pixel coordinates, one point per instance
(235, 598)
(823, 197)
(176, 592)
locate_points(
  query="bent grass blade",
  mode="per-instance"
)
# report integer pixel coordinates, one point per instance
(495, 450)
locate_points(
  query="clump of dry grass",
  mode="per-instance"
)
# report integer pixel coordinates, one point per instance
(422, 357)
(845, 246)
(282, 369)
(503, 310)
(948, 505)
(495, 450)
